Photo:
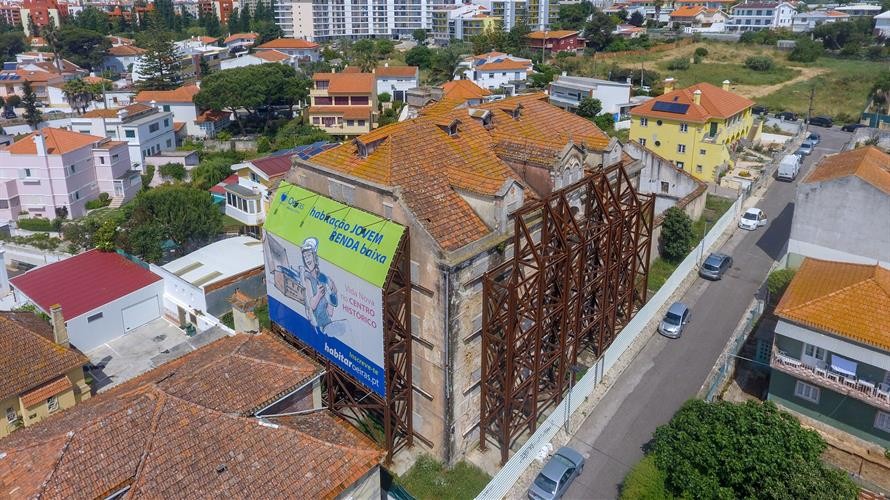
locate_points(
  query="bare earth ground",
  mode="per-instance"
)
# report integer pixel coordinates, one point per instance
(751, 91)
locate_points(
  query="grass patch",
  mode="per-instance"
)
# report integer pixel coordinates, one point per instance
(659, 272)
(841, 93)
(429, 479)
(738, 74)
(228, 319)
(645, 482)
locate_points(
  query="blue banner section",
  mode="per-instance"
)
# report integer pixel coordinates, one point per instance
(353, 363)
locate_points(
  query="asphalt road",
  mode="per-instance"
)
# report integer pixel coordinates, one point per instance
(666, 372)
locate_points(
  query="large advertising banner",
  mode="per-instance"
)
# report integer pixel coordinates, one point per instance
(326, 264)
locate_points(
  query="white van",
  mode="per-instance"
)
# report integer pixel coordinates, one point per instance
(788, 168)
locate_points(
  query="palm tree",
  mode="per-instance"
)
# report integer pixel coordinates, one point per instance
(53, 40)
(79, 94)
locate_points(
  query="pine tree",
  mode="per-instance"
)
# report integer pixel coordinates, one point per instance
(160, 66)
(29, 101)
(244, 21)
(232, 24)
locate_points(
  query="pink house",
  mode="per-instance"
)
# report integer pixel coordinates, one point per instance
(55, 171)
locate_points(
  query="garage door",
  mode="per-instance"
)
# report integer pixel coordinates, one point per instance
(140, 313)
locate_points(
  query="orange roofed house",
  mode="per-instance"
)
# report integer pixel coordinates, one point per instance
(831, 355)
(495, 70)
(304, 51)
(177, 432)
(698, 19)
(453, 175)
(40, 374)
(343, 104)
(555, 41)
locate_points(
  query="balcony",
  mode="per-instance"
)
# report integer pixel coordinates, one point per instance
(871, 393)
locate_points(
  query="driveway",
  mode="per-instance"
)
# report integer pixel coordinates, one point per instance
(142, 349)
(666, 373)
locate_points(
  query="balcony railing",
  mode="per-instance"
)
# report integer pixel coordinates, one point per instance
(872, 393)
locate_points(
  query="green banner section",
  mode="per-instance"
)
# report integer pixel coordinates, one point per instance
(358, 242)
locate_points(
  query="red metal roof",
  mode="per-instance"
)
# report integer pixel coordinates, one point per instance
(274, 165)
(220, 188)
(83, 282)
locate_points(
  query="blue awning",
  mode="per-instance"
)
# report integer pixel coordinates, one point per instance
(843, 366)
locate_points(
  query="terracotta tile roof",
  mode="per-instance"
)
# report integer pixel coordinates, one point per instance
(487, 55)
(213, 116)
(169, 434)
(110, 276)
(868, 163)
(347, 83)
(715, 103)
(58, 141)
(41, 394)
(504, 65)
(272, 55)
(36, 76)
(396, 71)
(834, 13)
(207, 40)
(28, 357)
(850, 300)
(183, 94)
(288, 43)
(238, 36)
(348, 112)
(119, 40)
(464, 89)
(131, 110)
(125, 50)
(431, 167)
(688, 11)
(540, 35)
(177, 126)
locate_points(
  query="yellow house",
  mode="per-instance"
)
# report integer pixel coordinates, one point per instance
(41, 374)
(697, 128)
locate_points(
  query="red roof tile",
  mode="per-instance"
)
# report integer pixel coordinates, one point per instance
(505, 65)
(288, 43)
(220, 188)
(715, 103)
(58, 141)
(541, 35)
(275, 165)
(396, 71)
(868, 163)
(125, 50)
(238, 36)
(186, 93)
(347, 83)
(464, 89)
(41, 394)
(28, 356)
(84, 282)
(272, 55)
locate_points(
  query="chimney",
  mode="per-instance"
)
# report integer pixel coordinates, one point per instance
(669, 85)
(60, 331)
(726, 85)
(565, 73)
(696, 96)
(154, 104)
(122, 113)
(40, 143)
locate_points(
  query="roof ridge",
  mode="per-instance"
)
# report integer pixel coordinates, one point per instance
(69, 437)
(150, 390)
(835, 293)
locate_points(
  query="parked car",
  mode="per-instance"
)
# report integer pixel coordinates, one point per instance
(789, 167)
(759, 110)
(787, 115)
(714, 266)
(852, 127)
(752, 219)
(805, 149)
(554, 479)
(676, 317)
(53, 112)
(815, 138)
(821, 121)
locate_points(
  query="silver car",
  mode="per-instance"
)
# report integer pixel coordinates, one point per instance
(554, 479)
(674, 320)
(714, 266)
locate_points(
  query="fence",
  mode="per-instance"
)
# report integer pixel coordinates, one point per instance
(733, 347)
(501, 483)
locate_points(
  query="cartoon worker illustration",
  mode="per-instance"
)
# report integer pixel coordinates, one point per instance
(321, 292)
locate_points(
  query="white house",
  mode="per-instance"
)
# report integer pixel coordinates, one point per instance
(146, 130)
(396, 80)
(259, 57)
(177, 101)
(303, 50)
(121, 58)
(699, 19)
(103, 295)
(753, 16)
(201, 283)
(495, 70)
(240, 41)
(808, 21)
(567, 92)
(882, 24)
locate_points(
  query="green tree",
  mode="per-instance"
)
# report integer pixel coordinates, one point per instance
(805, 50)
(419, 35)
(175, 171)
(573, 15)
(880, 91)
(233, 24)
(598, 31)
(159, 65)
(589, 107)
(12, 43)
(420, 56)
(364, 55)
(636, 19)
(29, 101)
(212, 170)
(759, 63)
(676, 235)
(444, 63)
(605, 122)
(778, 281)
(83, 47)
(384, 97)
(749, 450)
(176, 212)
(92, 19)
(701, 51)
(383, 48)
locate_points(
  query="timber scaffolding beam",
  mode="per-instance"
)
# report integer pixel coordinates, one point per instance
(352, 401)
(577, 275)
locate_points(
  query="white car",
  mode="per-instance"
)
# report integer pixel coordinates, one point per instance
(752, 219)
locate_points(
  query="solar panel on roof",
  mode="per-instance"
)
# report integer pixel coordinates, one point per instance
(10, 65)
(670, 107)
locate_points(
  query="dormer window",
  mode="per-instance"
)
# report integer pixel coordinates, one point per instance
(452, 129)
(515, 112)
(365, 149)
(322, 84)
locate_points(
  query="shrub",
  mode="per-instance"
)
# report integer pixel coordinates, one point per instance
(263, 145)
(759, 63)
(35, 224)
(175, 171)
(676, 235)
(679, 63)
(806, 50)
(701, 52)
(224, 135)
(778, 281)
(384, 97)
(605, 122)
(148, 176)
(645, 481)
(103, 200)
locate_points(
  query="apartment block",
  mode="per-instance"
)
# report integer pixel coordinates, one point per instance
(146, 130)
(343, 104)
